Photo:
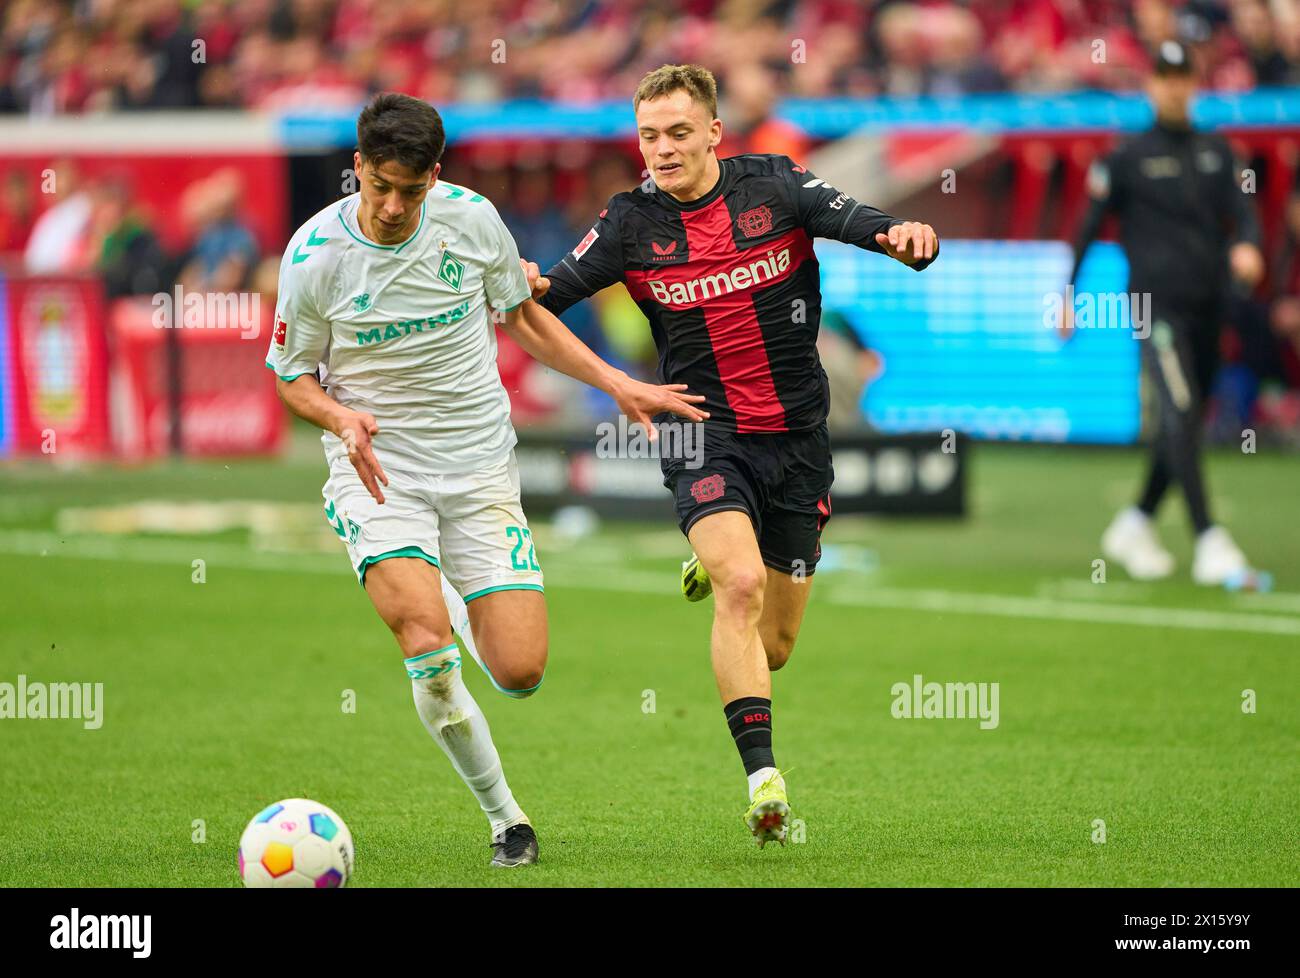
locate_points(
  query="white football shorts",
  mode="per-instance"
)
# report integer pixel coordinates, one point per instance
(471, 527)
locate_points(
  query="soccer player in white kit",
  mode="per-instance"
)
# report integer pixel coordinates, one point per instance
(384, 338)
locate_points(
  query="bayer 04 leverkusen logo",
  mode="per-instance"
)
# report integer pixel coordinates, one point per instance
(450, 270)
(709, 488)
(755, 221)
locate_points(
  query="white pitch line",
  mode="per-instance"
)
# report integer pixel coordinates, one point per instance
(611, 578)
(1092, 612)
(1268, 600)
(33, 544)
(233, 555)
(1286, 602)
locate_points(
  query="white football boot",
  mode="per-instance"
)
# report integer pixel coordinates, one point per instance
(1131, 541)
(1218, 558)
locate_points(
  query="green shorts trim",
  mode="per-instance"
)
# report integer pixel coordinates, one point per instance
(501, 587)
(404, 552)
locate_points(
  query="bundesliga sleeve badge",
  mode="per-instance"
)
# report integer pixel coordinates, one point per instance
(586, 243)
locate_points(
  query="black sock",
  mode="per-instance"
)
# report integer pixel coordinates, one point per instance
(750, 720)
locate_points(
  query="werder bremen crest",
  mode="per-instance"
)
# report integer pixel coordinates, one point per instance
(450, 270)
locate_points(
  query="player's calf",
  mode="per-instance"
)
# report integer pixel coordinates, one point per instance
(784, 603)
(510, 632)
(778, 643)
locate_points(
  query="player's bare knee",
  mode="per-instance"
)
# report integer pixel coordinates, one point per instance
(739, 590)
(520, 680)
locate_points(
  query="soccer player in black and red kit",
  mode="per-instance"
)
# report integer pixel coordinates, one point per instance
(718, 255)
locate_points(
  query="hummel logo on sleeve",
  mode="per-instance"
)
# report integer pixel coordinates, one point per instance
(299, 255)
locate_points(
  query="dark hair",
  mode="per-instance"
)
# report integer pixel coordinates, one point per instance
(398, 127)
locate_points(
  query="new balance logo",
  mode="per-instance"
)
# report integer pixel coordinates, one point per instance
(724, 283)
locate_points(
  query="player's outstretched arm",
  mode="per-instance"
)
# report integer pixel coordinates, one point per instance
(825, 212)
(548, 341)
(305, 397)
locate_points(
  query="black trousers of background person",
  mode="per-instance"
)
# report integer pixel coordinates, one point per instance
(1181, 357)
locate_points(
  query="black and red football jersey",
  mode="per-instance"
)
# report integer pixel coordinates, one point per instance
(729, 283)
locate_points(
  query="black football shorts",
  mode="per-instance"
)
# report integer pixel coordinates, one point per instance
(783, 481)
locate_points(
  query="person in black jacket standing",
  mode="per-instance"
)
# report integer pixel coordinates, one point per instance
(1189, 231)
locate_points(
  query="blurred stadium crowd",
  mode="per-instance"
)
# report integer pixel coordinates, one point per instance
(91, 56)
(95, 55)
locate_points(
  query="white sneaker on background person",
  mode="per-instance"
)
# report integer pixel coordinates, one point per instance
(1131, 541)
(1218, 558)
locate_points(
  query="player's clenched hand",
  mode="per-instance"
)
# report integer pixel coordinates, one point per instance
(538, 282)
(640, 402)
(355, 430)
(909, 242)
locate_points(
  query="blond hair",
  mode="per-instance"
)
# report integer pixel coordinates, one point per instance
(696, 81)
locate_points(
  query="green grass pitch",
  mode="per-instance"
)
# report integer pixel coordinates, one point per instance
(1119, 702)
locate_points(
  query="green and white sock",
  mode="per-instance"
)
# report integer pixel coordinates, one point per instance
(454, 720)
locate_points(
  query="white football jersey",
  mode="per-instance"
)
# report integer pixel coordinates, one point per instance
(404, 331)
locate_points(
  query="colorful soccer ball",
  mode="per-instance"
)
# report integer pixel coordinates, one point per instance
(295, 843)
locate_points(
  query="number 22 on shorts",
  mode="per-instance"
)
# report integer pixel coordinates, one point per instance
(522, 535)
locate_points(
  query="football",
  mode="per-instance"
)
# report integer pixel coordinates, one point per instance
(296, 843)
